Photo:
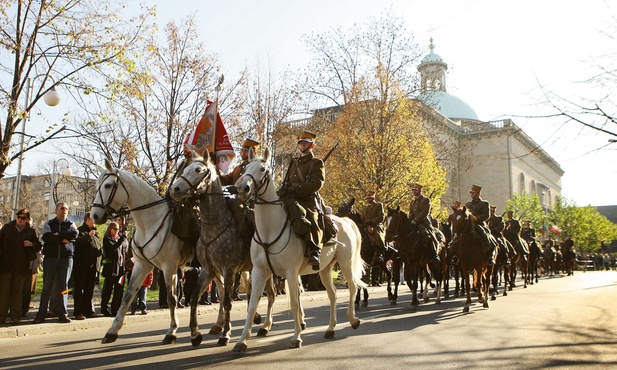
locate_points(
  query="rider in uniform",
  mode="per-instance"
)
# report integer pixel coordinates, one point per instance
(233, 176)
(512, 230)
(528, 233)
(419, 214)
(496, 225)
(305, 176)
(374, 218)
(479, 209)
(452, 248)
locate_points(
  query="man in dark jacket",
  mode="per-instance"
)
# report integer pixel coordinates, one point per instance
(59, 234)
(87, 251)
(18, 245)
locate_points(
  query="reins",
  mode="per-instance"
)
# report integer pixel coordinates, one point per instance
(264, 183)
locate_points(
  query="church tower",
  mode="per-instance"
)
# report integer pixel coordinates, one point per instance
(432, 72)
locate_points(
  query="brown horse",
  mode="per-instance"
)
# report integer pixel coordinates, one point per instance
(367, 251)
(569, 259)
(414, 254)
(535, 256)
(471, 257)
(521, 259)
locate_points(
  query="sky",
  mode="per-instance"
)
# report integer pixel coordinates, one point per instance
(498, 55)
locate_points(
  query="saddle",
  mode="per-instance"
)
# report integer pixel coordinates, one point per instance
(185, 225)
(243, 216)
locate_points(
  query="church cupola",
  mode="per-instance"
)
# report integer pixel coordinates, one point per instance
(432, 72)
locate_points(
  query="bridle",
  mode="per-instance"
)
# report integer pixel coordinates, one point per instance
(109, 210)
(198, 187)
(466, 220)
(256, 194)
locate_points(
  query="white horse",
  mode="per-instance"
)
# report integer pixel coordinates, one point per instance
(275, 248)
(221, 249)
(153, 245)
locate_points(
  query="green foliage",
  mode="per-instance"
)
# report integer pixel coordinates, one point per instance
(586, 225)
(528, 207)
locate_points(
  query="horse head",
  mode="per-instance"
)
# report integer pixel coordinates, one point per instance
(346, 209)
(461, 221)
(395, 219)
(111, 194)
(256, 178)
(196, 177)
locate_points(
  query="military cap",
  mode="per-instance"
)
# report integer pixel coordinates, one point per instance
(455, 205)
(415, 186)
(307, 136)
(475, 189)
(370, 194)
(250, 143)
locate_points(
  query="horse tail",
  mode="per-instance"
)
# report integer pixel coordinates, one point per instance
(358, 265)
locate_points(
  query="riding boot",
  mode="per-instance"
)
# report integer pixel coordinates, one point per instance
(313, 255)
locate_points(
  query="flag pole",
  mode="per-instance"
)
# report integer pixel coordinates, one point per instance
(216, 113)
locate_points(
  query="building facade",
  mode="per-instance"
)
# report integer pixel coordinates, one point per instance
(35, 195)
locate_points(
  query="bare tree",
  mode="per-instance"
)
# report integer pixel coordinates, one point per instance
(66, 43)
(155, 106)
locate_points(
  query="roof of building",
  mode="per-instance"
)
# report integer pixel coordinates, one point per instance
(449, 105)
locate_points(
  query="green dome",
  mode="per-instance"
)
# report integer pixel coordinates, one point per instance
(449, 105)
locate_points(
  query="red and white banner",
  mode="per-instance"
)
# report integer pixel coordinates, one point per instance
(555, 229)
(202, 137)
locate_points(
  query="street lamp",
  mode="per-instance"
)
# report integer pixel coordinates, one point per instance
(51, 98)
(67, 172)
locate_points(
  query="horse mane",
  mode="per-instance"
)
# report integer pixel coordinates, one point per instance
(126, 175)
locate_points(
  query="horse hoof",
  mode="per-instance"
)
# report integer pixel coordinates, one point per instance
(169, 339)
(295, 344)
(222, 342)
(505, 294)
(240, 347)
(510, 288)
(196, 341)
(329, 334)
(438, 301)
(426, 300)
(109, 338)
(215, 330)
(262, 332)
(493, 298)
(257, 319)
(303, 326)
(466, 309)
(525, 287)
(485, 305)
(364, 303)
(355, 324)
(393, 302)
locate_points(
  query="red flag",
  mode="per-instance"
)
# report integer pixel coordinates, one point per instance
(555, 229)
(203, 137)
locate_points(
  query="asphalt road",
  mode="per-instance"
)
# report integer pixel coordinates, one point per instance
(559, 323)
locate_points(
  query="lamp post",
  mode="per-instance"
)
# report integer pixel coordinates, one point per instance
(51, 98)
(67, 172)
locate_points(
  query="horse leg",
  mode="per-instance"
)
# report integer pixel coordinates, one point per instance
(414, 289)
(226, 296)
(325, 276)
(486, 283)
(217, 328)
(465, 280)
(357, 299)
(426, 284)
(203, 280)
(353, 285)
(271, 294)
(171, 281)
(296, 309)
(258, 284)
(137, 277)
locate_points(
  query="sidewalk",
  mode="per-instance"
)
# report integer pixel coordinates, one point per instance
(26, 328)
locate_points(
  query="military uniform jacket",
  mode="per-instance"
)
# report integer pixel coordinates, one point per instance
(306, 174)
(374, 216)
(420, 209)
(528, 234)
(234, 175)
(513, 226)
(479, 208)
(496, 225)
